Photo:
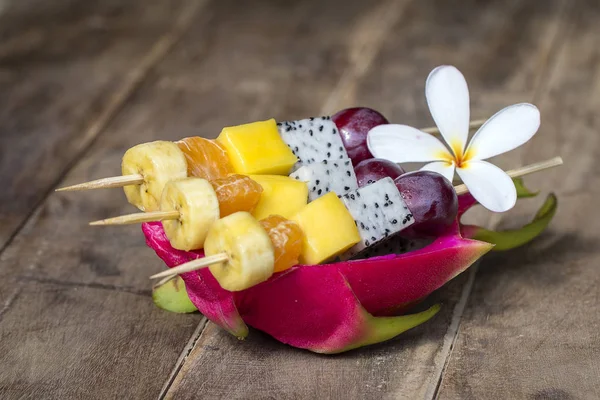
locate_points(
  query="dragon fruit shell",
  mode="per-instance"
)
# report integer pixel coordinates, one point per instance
(330, 298)
(216, 303)
(314, 308)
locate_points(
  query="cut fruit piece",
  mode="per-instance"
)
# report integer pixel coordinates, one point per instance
(198, 207)
(328, 228)
(327, 176)
(158, 163)
(206, 158)
(257, 148)
(281, 196)
(313, 140)
(250, 253)
(172, 296)
(379, 212)
(236, 193)
(286, 237)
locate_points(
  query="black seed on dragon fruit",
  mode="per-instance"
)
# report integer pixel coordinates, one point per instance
(327, 176)
(313, 140)
(379, 212)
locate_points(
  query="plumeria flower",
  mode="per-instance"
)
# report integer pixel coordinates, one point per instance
(448, 100)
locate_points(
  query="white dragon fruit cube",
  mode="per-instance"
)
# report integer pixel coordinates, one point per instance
(379, 212)
(327, 176)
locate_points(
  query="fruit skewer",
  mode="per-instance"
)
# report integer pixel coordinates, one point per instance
(242, 252)
(189, 206)
(216, 258)
(148, 167)
(197, 151)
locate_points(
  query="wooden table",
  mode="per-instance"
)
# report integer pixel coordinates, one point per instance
(82, 81)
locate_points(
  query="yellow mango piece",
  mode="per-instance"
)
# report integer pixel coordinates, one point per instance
(328, 227)
(257, 148)
(281, 196)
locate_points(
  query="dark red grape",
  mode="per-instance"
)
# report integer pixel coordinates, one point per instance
(431, 199)
(354, 124)
(374, 169)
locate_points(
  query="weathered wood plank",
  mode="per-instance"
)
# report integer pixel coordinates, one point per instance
(53, 344)
(427, 34)
(531, 326)
(64, 69)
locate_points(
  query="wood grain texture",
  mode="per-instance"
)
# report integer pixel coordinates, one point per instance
(69, 341)
(531, 326)
(64, 68)
(409, 366)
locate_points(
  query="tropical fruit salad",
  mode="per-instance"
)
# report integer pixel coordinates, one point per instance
(310, 230)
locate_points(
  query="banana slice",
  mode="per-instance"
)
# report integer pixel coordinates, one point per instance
(198, 207)
(158, 162)
(250, 253)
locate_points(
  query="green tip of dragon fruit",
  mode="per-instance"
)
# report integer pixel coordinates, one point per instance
(381, 329)
(172, 296)
(510, 239)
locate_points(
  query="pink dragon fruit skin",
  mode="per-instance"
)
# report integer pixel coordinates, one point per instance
(327, 308)
(315, 308)
(216, 303)
(382, 284)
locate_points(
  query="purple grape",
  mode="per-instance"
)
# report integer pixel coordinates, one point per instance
(374, 169)
(432, 201)
(354, 124)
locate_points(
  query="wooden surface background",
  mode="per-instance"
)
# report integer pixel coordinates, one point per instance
(81, 81)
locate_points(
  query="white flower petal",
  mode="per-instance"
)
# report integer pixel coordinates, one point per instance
(509, 128)
(448, 99)
(441, 167)
(490, 186)
(402, 143)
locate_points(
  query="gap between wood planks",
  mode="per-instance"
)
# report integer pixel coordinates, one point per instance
(363, 47)
(132, 82)
(544, 74)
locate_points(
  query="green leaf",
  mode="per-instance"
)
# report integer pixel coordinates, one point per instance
(172, 296)
(522, 191)
(510, 239)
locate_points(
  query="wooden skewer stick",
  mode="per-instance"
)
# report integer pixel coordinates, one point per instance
(472, 125)
(112, 182)
(526, 170)
(192, 265)
(139, 218)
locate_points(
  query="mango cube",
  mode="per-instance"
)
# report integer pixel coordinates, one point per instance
(281, 196)
(257, 148)
(328, 227)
